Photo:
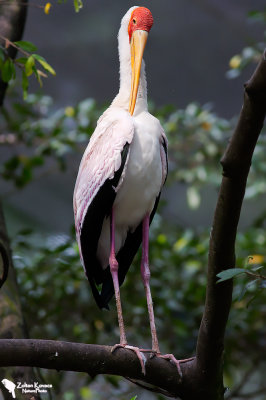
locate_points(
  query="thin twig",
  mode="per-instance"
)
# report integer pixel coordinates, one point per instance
(15, 46)
(251, 395)
(150, 388)
(243, 381)
(259, 276)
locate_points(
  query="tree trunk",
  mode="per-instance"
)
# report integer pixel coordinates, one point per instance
(12, 21)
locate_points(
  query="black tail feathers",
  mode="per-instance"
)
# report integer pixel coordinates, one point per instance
(100, 300)
(107, 291)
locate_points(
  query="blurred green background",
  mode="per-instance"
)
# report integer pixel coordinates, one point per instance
(42, 141)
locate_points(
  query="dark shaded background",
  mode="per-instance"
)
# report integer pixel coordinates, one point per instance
(187, 57)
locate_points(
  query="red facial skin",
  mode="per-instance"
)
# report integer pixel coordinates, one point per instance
(141, 19)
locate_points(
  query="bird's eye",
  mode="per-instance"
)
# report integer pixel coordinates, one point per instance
(134, 21)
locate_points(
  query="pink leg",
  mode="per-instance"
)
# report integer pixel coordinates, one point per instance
(114, 272)
(145, 274)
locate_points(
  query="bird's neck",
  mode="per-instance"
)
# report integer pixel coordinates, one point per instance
(123, 96)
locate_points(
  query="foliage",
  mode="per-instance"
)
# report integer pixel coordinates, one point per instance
(249, 54)
(49, 268)
(38, 134)
(254, 278)
(78, 4)
(29, 63)
(197, 139)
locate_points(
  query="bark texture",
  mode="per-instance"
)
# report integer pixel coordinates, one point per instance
(236, 163)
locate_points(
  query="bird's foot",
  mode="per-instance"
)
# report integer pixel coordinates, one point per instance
(137, 351)
(152, 352)
(172, 359)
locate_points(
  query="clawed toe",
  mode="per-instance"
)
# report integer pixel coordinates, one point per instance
(142, 359)
(117, 346)
(137, 351)
(172, 359)
(153, 353)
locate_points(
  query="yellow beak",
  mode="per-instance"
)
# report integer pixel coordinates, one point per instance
(138, 42)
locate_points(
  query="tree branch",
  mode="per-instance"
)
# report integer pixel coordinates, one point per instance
(236, 164)
(94, 360)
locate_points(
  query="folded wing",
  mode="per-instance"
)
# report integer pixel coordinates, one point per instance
(101, 171)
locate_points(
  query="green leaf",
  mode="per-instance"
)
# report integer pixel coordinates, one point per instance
(113, 380)
(26, 176)
(69, 395)
(37, 161)
(8, 70)
(44, 64)
(78, 4)
(256, 268)
(86, 393)
(2, 54)
(229, 273)
(134, 398)
(257, 15)
(25, 85)
(25, 231)
(26, 46)
(1, 63)
(12, 164)
(29, 65)
(22, 60)
(251, 283)
(38, 76)
(242, 293)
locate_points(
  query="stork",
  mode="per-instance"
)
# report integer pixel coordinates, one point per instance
(120, 179)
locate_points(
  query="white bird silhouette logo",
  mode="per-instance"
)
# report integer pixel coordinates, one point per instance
(10, 386)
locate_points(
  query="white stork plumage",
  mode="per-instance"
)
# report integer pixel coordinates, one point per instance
(120, 179)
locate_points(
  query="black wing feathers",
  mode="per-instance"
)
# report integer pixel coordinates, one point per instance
(100, 207)
(164, 143)
(125, 257)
